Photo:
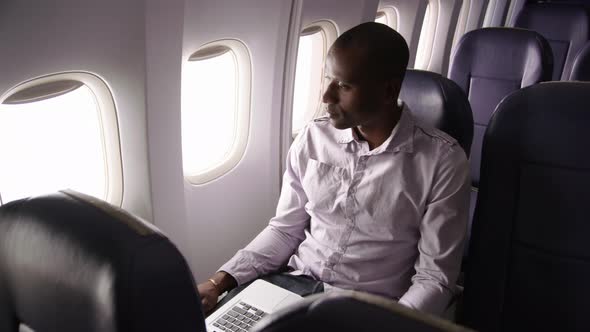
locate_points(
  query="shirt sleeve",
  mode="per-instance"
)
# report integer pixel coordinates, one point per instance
(271, 249)
(442, 231)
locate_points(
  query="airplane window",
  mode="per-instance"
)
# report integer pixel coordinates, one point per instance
(53, 136)
(426, 40)
(388, 16)
(215, 109)
(313, 47)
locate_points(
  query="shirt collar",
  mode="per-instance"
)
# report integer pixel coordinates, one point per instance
(401, 138)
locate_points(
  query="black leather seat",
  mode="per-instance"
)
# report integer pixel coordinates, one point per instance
(69, 262)
(581, 67)
(565, 26)
(351, 311)
(440, 103)
(530, 258)
(490, 63)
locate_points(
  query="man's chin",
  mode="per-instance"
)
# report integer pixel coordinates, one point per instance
(338, 124)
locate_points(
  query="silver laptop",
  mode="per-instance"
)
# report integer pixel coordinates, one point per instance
(249, 306)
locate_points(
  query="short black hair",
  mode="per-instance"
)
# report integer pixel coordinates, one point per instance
(386, 50)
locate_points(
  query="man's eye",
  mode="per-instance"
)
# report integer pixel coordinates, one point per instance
(343, 86)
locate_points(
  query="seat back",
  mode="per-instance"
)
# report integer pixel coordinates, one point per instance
(529, 258)
(351, 311)
(440, 103)
(70, 262)
(565, 26)
(489, 64)
(581, 67)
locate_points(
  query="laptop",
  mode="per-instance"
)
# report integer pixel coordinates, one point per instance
(253, 303)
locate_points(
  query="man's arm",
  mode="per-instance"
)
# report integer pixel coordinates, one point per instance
(442, 230)
(271, 249)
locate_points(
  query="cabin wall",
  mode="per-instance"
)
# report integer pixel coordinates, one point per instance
(164, 29)
(106, 38)
(345, 13)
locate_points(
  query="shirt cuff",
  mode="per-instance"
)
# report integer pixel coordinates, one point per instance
(240, 268)
(427, 298)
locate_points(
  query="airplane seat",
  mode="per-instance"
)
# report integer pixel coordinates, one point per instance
(351, 311)
(70, 262)
(440, 103)
(581, 67)
(530, 261)
(566, 28)
(488, 64)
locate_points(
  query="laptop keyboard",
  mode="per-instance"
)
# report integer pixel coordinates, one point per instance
(239, 318)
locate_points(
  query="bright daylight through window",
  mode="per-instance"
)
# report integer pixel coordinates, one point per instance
(215, 110)
(52, 144)
(426, 41)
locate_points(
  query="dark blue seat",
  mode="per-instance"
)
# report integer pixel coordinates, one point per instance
(529, 258)
(581, 67)
(565, 26)
(69, 262)
(354, 311)
(490, 63)
(440, 103)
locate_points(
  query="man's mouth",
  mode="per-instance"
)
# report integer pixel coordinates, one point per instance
(331, 110)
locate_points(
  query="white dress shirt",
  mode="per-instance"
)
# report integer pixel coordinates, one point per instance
(389, 221)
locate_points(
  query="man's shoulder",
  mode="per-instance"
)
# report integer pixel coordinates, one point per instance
(435, 141)
(436, 135)
(425, 136)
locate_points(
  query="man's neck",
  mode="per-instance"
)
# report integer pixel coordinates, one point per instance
(378, 131)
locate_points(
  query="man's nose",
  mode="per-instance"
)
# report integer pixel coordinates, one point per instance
(330, 96)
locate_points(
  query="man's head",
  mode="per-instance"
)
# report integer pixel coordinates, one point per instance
(364, 70)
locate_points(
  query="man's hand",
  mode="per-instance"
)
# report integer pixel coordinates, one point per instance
(210, 290)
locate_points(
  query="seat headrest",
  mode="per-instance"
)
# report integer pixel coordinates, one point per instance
(543, 121)
(565, 26)
(351, 311)
(440, 103)
(502, 54)
(72, 262)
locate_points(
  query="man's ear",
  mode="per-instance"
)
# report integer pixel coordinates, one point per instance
(393, 88)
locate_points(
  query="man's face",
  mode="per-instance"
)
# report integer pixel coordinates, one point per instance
(353, 94)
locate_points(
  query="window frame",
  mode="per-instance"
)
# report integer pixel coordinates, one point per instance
(391, 15)
(243, 65)
(108, 123)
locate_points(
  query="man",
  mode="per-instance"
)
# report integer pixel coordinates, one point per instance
(371, 200)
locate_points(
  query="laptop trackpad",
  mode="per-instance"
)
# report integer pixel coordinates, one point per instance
(268, 297)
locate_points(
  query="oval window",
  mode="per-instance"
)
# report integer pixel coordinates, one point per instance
(215, 109)
(60, 132)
